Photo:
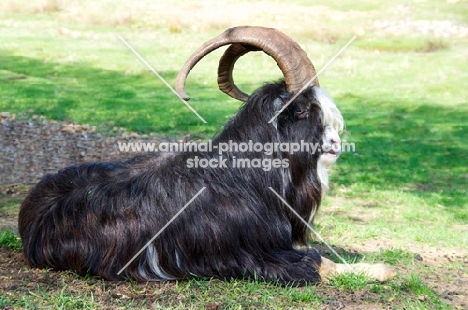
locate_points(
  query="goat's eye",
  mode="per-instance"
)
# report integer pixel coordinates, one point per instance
(302, 114)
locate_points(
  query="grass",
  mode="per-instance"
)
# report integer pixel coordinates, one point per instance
(234, 294)
(352, 282)
(41, 299)
(403, 97)
(406, 44)
(393, 257)
(415, 285)
(10, 240)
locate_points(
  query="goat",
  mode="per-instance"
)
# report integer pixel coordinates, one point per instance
(96, 217)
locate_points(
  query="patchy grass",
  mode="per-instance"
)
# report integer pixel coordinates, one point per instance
(393, 257)
(9, 206)
(48, 288)
(415, 285)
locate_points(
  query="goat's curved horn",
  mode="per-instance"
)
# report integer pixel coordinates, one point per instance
(290, 57)
(226, 66)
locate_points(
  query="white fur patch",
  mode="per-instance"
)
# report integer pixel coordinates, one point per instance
(331, 115)
(153, 262)
(322, 174)
(331, 118)
(177, 258)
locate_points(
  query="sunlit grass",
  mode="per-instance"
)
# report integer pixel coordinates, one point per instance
(422, 45)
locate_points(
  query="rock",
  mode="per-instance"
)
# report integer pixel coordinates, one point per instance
(5, 115)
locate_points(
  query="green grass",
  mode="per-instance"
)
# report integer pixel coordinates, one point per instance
(200, 294)
(393, 257)
(9, 205)
(415, 285)
(239, 294)
(406, 44)
(41, 299)
(10, 240)
(106, 98)
(351, 282)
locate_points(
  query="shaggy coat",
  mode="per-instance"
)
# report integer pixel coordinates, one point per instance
(93, 218)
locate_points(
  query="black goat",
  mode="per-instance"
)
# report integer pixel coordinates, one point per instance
(96, 217)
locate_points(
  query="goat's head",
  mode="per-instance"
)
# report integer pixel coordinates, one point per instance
(299, 79)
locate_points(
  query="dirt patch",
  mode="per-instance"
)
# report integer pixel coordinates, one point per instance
(17, 279)
(32, 147)
(438, 265)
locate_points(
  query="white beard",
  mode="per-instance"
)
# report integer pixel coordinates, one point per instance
(322, 174)
(334, 123)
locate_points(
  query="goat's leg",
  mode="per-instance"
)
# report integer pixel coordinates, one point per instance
(287, 267)
(380, 272)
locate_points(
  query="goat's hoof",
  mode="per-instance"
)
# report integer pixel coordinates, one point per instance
(379, 272)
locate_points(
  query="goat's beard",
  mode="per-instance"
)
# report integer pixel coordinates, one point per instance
(330, 151)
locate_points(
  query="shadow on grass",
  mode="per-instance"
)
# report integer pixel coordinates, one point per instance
(415, 145)
(350, 257)
(83, 94)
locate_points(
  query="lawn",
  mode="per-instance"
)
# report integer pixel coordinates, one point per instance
(402, 87)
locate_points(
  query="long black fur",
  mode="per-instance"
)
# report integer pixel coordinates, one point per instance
(95, 217)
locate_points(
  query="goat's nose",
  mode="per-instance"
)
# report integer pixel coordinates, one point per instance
(336, 140)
